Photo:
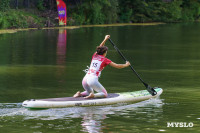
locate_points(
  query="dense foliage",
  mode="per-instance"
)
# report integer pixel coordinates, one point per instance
(4, 5)
(83, 12)
(19, 19)
(128, 11)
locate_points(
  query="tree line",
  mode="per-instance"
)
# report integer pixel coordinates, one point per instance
(83, 12)
(131, 11)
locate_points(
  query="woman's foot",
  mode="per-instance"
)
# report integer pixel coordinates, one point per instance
(91, 95)
(78, 94)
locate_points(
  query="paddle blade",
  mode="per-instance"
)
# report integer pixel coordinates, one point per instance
(151, 90)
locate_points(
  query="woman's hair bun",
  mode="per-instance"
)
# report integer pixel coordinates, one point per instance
(101, 50)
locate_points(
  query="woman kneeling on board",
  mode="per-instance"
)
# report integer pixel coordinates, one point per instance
(90, 81)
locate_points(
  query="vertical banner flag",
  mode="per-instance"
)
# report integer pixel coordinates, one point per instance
(62, 12)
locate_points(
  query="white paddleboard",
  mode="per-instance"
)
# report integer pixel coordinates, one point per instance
(112, 98)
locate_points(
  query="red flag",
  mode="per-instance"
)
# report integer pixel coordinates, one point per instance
(62, 12)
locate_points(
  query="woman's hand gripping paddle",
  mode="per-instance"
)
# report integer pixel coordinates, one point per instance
(149, 88)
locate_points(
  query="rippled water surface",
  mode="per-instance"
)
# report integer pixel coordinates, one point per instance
(50, 63)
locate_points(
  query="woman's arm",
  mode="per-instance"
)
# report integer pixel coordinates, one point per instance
(104, 41)
(119, 66)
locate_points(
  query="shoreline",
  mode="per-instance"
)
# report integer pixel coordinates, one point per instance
(4, 31)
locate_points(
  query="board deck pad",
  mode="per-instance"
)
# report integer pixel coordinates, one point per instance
(110, 95)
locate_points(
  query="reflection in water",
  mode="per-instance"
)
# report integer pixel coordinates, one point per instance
(92, 123)
(61, 46)
(92, 117)
(61, 55)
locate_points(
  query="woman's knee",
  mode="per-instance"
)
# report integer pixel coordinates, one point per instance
(84, 82)
(105, 93)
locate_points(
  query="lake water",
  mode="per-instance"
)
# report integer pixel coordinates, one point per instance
(50, 63)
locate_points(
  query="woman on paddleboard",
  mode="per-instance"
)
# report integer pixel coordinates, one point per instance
(90, 81)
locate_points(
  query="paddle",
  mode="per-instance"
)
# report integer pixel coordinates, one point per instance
(149, 88)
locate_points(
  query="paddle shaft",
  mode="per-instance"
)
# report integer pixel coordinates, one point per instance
(145, 84)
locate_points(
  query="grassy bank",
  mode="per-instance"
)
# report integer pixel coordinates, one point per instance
(12, 19)
(74, 27)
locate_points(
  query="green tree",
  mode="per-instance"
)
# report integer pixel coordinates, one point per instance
(4, 5)
(96, 12)
(191, 10)
(40, 5)
(110, 10)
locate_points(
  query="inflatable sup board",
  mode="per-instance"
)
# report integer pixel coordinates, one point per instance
(112, 98)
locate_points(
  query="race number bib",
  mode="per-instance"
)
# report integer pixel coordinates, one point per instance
(95, 66)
